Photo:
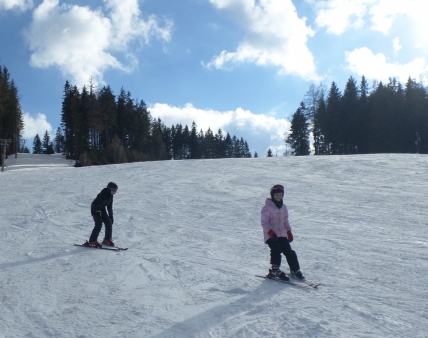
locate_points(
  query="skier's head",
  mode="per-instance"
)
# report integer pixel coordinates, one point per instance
(112, 186)
(277, 189)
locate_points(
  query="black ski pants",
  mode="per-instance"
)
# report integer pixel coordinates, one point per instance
(282, 246)
(99, 220)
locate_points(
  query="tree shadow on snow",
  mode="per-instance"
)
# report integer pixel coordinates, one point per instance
(224, 318)
(31, 260)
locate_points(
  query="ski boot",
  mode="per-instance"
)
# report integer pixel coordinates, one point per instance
(93, 244)
(108, 242)
(277, 274)
(297, 274)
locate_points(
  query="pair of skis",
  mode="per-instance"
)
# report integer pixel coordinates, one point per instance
(105, 247)
(294, 281)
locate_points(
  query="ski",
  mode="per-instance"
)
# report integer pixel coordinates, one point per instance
(105, 247)
(117, 248)
(311, 284)
(295, 283)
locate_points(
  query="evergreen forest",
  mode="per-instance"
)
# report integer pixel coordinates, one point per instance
(386, 118)
(100, 128)
(11, 119)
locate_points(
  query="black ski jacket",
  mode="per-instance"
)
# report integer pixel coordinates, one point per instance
(103, 200)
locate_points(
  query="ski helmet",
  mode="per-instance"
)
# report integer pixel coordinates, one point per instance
(277, 188)
(112, 185)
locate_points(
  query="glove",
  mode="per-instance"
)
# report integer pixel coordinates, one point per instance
(111, 219)
(289, 236)
(272, 235)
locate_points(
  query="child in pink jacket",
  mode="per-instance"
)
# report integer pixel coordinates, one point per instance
(278, 235)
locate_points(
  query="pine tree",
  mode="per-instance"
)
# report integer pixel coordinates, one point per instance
(298, 137)
(157, 147)
(11, 119)
(319, 128)
(220, 145)
(228, 146)
(209, 144)
(70, 119)
(348, 121)
(37, 145)
(140, 130)
(333, 119)
(269, 153)
(186, 146)
(107, 122)
(416, 114)
(363, 117)
(59, 141)
(246, 150)
(82, 123)
(234, 147)
(45, 143)
(194, 147)
(177, 142)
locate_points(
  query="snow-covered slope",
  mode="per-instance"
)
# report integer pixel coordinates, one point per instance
(195, 243)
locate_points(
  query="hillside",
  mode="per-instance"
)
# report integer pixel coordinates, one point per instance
(195, 243)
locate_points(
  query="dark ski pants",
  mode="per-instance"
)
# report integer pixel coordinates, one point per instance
(99, 220)
(282, 246)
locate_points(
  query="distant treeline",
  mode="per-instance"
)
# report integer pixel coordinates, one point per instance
(389, 118)
(11, 119)
(100, 128)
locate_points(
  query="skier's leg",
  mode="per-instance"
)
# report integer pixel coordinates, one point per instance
(289, 254)
(275, 252)
(108, 225)
(97, 228)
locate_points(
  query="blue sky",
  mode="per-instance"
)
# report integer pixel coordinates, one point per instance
(239, 65)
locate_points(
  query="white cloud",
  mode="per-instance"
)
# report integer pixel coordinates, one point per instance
(260, 131)
(275, 35)
(397, 45)
(35, 126)
(363, 62)
(81, 42)
(339, 15)
(21, 5)
(384, 13)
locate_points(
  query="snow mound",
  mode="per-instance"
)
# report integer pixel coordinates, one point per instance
(26, 161)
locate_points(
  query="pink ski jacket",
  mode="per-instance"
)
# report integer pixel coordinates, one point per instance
(275, 219)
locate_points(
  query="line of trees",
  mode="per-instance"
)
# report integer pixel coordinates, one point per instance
(184, 143)
(99, 128)
(11, 119)
(389, 118)
(46, 146)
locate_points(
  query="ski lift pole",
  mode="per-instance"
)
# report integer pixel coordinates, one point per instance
(16, 144)
(4, 143)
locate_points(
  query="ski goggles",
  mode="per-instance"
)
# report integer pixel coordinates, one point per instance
(277, 187)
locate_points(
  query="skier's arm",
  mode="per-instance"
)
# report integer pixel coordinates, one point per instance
(286, 223)
(265, 222)
(110, 211)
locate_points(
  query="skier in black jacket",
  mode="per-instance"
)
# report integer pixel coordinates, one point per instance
(99, 213)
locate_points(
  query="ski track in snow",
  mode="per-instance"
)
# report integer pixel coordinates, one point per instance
(195, 243)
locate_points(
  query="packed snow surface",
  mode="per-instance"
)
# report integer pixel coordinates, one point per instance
(195, 243)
